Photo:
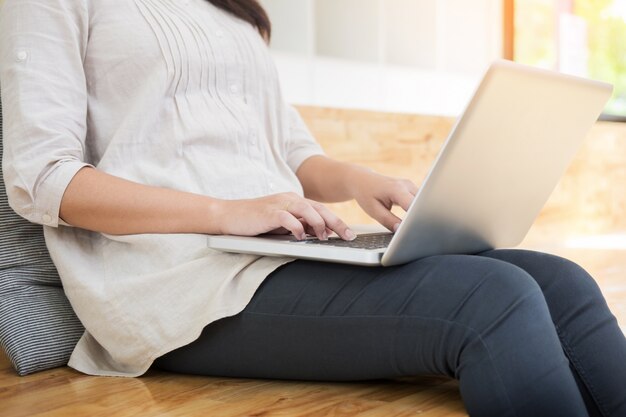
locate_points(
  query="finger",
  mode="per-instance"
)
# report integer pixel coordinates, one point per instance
(413, 188)
(309, 230)
(329, 231)
(385, 217)
(334, 223)
(303, 209)
(403, 199)
(289, 222)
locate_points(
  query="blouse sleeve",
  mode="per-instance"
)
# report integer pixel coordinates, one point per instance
(44, 101)
(301, 143)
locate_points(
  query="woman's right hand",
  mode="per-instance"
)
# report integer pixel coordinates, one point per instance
(281, 213)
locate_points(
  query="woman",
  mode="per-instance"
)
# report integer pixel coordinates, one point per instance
(135, 128)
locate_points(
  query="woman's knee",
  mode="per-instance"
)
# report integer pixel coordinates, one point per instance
(482, 290)
(557, 276)
(509, 291)
(486, 312)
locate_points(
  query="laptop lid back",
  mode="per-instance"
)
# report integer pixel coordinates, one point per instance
(501, 162)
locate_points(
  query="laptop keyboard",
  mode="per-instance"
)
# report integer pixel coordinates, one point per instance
(364, 241)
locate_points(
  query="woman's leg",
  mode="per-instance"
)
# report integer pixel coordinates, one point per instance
(480, 320)
(589, 333)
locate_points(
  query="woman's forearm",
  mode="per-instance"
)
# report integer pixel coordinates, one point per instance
(100, 202)
(329, 181)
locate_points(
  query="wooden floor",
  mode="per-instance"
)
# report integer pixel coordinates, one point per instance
(63, 392)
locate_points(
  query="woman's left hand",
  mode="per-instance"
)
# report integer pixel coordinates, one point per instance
(377, 194)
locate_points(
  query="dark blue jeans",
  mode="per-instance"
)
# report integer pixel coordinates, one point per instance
(525, 333)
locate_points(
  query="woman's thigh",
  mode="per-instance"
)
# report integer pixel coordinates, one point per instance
(480, 320)
(314, 320)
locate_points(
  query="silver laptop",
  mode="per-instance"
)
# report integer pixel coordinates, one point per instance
(493, 175)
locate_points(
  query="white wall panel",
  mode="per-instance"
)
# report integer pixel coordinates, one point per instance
(292, 25)
(348, 29)
(410, 27)
(466, 37)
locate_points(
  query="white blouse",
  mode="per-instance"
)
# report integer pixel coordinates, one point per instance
(170, 93)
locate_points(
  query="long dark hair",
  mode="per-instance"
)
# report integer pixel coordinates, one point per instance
(250, 11)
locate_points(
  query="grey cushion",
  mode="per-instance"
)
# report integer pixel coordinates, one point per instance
(38, 328)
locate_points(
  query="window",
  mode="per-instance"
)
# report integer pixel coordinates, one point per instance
(579, 37)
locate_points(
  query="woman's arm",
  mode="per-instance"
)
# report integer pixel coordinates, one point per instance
(327, 180)
(44, 102)
(97, 201)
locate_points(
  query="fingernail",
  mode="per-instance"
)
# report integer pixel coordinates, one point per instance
(302, 236)
(395, 227)
(324, 235)
(350, 235)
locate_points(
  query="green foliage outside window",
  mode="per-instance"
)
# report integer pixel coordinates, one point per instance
(536, 40)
